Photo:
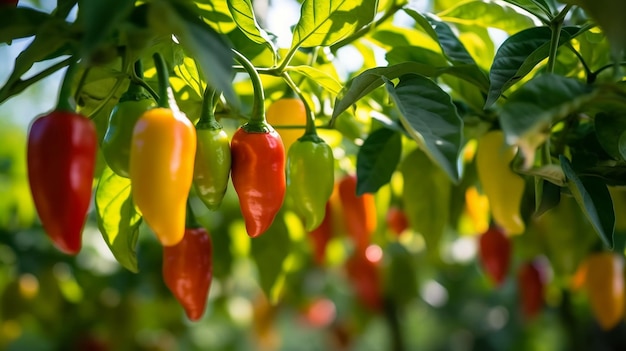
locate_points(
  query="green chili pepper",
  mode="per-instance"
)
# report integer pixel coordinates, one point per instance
(213, 156)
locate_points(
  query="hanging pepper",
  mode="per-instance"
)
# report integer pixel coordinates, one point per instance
(61, 158)
(321, 235)
(359, 212)
(397, 220)
(531, 285)
(495, 253)
(503, 187)
(604, 280)
(162, 156)
(188, 269)
(258, 164)
(365, 278)
(310, 175)
(213, 158)
(289, 110)
(117, 138)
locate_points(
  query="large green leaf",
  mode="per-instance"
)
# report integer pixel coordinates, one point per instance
(99, 18)
(118, 218)
(489, 15)
(200, 41)
(372, 78)
(269, 251)
(20, 22)
(243, 15)
(594, 199)
(451, 46)
(539, 8)
(610, 127)
(430, 117)
(325, 22)
(377, 160)
(519, 54)
(530, 111)
(426, 193)
(319, 77)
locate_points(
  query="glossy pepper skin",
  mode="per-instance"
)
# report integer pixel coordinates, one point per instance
(531, 288)
(310, 178)
(162, 158)
(503, 187)
(258, 173)
(359, 212)
(212, 164)
(495, 253)
(287, 111)
(188, 270)
(117, 138)
(605, 288)
(61, 158)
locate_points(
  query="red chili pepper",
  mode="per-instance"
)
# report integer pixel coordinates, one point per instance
(61, 157)
(495, 253)
(359, 212)
(321, 235)
(188, 270)
(396, 220)
(531, 288)
(365, 278)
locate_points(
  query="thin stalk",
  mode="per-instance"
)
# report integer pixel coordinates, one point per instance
(190, 219)
(310, 116)
(555, 25)
(81, 83)
(106, 99)
(258, 105)
(66, 100)
(165, 91)
(207, 115)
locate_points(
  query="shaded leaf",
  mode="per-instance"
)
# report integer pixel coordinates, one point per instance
(430, 117)
(377, 160)
(118, 219)
(325, 22)
(519, 54)
(610, 127)
(20, 22)
(593, 197)
(99, 18)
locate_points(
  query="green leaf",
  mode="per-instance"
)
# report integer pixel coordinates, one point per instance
(488, 15)
(377, 160)
(372, 78)
(539, 8)
(426, 193)
(20, 22)
(200, 41)
(325, 22)
(320, 77)
(270, 251)
(401, 279)
(519, 54)
(406, 53)
(118, 218)
(451, 46)
(243, 15)
(609, 127)
(99, 18)
(594, 199)
(430, 117)
(530, 111)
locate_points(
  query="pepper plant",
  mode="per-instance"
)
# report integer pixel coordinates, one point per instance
(465, 117)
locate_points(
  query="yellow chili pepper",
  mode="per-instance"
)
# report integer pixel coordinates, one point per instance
(605, 288)
(503, 187)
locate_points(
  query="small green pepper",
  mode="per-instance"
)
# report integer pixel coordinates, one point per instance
(310, 178)
(213, 157)
(117, 138)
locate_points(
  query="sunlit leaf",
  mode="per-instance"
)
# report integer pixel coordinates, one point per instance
(377, 160)
(325, 22)
(118, 218)
(430, 117)
(319, 77)
(243, 15)
(594, 199)
(488, 14)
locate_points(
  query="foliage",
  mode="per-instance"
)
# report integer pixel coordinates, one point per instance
(401, 94)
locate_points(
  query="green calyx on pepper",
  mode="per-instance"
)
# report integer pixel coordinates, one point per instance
(117, 138)
(213, 156)
(258, 163)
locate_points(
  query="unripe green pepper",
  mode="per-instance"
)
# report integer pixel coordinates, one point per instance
(119, 133)
(310, 178)
(213, 157)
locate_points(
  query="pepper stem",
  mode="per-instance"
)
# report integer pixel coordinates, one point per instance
(258, 105)
(207, 115)
(165, 91)
(310, 128)
(190, 218)
(66, 99)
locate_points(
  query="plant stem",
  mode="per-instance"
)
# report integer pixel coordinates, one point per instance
(66, 99)
(164, 81)
(310, 116)
(258, 105)
(555, 25)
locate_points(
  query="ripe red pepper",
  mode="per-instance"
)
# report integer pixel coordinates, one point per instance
(188, 270)
(495, 253)
(258, 163)
(397, 220)
(359, 212)
(365, 278)
(321, 235)
(61, 157)
(531, 284)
